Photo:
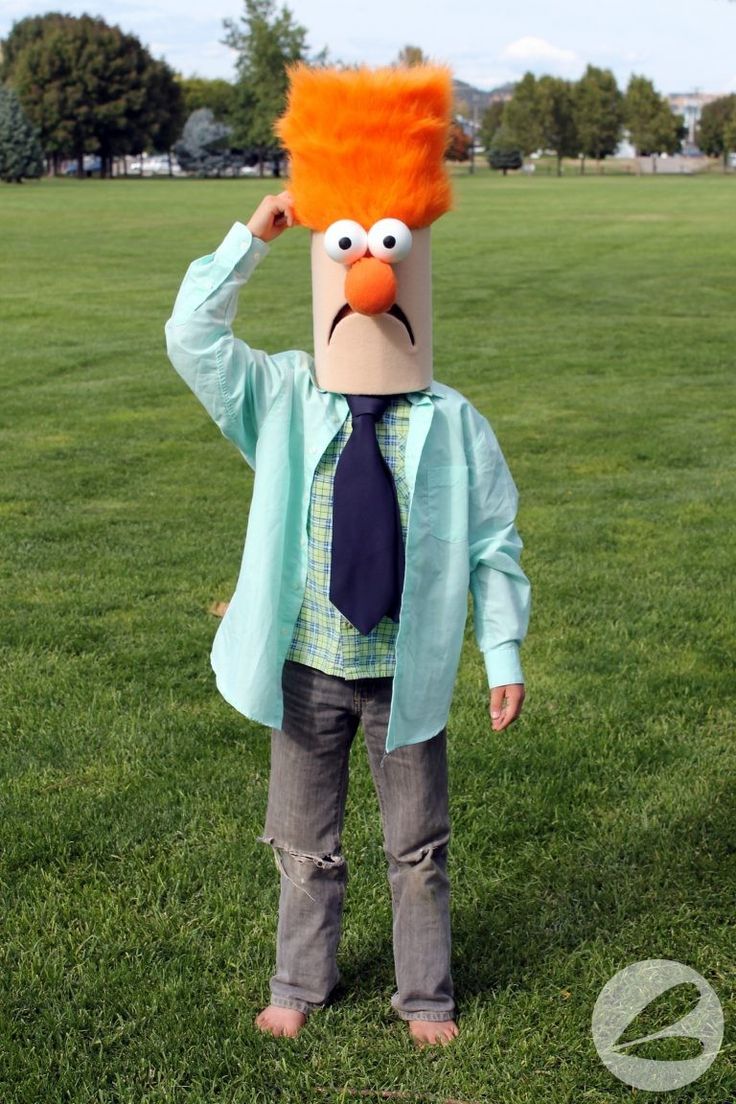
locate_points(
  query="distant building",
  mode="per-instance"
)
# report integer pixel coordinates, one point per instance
(690, 105)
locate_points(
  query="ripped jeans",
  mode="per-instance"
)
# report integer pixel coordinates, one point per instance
(304, 820)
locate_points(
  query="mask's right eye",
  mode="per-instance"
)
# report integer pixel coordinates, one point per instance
(345, 241)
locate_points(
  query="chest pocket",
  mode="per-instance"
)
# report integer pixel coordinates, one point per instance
(447, 501)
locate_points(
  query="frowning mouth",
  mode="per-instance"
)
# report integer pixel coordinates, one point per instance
(395, 310)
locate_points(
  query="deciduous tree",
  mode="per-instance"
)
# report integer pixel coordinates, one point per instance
(459, 145)
(523, 117)
(491, 120)
(717, 128)
(267, 40)
(557, 118)
(90, 88)
(164, 116)
(411, 56)
(652, 124)
(598, 110)
(218, 95)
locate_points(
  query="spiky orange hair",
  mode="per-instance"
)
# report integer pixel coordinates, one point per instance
(368, 143)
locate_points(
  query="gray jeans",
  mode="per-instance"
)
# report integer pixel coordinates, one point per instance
(304, 820)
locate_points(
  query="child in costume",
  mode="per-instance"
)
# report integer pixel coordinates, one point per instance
(380, 497)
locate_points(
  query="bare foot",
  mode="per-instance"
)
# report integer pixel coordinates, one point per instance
(427, 1032)
(280, 1021)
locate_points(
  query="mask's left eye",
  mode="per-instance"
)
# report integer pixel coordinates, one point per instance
(389, 239)
(345, 241)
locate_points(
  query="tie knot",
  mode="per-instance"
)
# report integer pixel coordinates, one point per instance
(368, 404)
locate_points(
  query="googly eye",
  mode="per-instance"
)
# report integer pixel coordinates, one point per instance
(389, 240)
(345, 241)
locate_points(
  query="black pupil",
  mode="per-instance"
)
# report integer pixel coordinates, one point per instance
(389, 241)
(345, 243)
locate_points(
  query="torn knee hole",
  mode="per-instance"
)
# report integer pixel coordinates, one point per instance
(323, 861)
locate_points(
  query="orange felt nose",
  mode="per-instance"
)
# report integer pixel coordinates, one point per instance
(370, 286)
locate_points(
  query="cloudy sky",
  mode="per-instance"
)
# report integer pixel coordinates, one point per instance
(682, 45)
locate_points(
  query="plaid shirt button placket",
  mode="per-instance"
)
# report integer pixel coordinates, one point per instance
(323, 637)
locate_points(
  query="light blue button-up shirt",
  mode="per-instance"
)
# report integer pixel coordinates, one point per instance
(461, 532)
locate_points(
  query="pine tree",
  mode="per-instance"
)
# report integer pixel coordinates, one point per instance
(204, 145)
(20, 152)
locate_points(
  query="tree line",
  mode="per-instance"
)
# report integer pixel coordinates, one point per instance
(582, 119)
(86, 87)
(73, 85)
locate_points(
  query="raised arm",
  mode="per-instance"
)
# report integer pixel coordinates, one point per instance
(235, 383)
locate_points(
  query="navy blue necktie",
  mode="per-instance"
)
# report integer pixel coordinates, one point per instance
(367, 571)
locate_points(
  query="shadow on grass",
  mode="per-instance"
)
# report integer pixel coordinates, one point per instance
(623, 888)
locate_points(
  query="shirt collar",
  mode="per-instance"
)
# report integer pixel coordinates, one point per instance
(424, 396)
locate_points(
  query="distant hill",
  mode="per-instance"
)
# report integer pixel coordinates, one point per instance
(476, 97)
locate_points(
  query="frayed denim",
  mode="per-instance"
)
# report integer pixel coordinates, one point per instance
(304, 820)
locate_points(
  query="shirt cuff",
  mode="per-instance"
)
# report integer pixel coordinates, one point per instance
(503, 665)
(240, 251)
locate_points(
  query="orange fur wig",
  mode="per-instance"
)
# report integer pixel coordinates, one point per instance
(367, 144)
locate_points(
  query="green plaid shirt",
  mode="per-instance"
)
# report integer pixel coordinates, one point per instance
(323, 638)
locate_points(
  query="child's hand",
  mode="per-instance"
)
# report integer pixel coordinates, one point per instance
(504, 712)
(272, 216)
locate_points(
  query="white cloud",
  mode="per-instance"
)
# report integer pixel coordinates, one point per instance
(531, 49)
(674, 45)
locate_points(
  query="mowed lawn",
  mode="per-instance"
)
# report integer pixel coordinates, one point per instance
(592, 321)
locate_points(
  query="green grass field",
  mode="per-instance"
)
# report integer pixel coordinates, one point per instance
(591, 320)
